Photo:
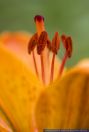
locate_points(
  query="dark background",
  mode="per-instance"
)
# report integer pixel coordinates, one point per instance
(65, 16)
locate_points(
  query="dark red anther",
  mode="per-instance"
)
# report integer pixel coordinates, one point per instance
(69, 46)
(32, 43)
(56, 43)
(67, 42)
(38, 18)
(42, 42)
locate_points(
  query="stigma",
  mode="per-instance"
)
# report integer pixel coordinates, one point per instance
(45, 47)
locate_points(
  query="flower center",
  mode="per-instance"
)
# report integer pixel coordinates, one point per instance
(44, 46)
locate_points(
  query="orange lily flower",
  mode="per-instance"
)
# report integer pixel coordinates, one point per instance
(36, 92)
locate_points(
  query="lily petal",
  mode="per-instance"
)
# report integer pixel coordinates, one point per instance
(65, 103)
(19, 90)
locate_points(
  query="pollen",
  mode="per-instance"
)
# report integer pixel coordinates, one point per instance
(55, 43)
(67, 42)
(69, 46)
(42, 42)
(32, 43)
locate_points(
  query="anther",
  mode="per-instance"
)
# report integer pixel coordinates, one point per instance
(54, 48)
(32, 43)
(69, 46)
(42, 42)
(55, 43)
(67, 42)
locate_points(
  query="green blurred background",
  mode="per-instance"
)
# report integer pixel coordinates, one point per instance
(65, 16)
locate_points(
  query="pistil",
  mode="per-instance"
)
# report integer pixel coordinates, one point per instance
(39, 20)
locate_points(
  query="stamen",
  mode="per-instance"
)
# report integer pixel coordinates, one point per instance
(40, 47)
(52, 68)
(54, 48)
(32, 44)
(69, 46)
(61, 68)
(42, 68)
(35, 64)
(67, 42)
(55, 43)
(49, 47)
(42, 42)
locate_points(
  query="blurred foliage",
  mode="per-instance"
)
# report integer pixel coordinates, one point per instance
(65, 16)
